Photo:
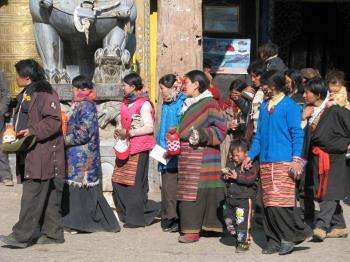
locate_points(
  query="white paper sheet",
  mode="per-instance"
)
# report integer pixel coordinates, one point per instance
(158, 154)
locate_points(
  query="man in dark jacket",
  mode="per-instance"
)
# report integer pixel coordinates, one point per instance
(269, 53)
(41, 169)
(5, 171)
(327, 170)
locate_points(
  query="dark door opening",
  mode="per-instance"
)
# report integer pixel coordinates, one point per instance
(313, 35)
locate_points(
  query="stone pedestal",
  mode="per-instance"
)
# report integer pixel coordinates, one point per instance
(104, 92)
(107, 164)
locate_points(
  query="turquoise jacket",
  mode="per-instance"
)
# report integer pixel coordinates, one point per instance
(171, 114)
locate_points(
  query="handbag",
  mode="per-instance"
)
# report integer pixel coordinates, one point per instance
(122, 149)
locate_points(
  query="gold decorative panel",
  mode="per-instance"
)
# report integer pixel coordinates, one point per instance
(16, 38)
(141, 56)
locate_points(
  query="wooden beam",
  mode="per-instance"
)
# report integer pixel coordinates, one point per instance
(179, 42)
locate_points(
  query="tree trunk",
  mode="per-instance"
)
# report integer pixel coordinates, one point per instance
(179, 36)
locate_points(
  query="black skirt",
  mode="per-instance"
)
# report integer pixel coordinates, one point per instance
(134, 207)
(86, 210)
(284, 223)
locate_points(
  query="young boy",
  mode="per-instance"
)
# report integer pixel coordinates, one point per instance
(241, 189)
(338, 94)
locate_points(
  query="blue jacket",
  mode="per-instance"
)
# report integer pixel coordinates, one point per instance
(83, 146)
(171, 114)
(279, 135)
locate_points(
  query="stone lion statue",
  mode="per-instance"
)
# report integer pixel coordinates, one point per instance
(91, 37)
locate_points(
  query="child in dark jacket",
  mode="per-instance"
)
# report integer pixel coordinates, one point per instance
(241, 188)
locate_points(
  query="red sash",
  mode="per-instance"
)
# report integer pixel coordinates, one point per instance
(324, 165)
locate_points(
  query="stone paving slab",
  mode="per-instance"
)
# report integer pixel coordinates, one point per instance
(151, 244)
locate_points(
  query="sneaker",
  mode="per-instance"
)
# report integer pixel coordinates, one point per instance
(286, 247)
(171, 226)
(319, 235)
(338, 233)
(189, 238)
(242, 247)
(174, 227)
(165, 224)
(8, 182)
(10, 241)
(45, 240)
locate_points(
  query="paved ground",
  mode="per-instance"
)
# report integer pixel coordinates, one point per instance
(151, 244)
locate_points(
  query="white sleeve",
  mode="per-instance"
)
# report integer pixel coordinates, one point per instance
(147, 119)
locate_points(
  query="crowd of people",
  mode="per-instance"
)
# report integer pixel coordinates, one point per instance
(275, 146)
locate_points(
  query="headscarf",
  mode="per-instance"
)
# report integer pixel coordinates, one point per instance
(80, 95)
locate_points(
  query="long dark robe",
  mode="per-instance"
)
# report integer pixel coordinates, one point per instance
(85, 209)
(332, 135)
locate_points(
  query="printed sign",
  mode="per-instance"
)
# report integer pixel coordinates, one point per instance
(227, 56)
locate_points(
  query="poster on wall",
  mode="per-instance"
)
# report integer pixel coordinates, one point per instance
(227, 56)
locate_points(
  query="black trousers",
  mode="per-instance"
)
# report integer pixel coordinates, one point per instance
(330, 215)
(238, 217)
(132, 202)
(40, 207)
(284, 223)
(169, 201)
(203, 214)
(307, 204)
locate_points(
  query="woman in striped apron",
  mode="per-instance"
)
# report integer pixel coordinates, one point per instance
(200, 189)
(278, 143)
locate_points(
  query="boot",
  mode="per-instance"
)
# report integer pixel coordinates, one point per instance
(319, 235)
(338, 233)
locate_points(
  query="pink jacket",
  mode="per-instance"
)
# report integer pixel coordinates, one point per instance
(142, 143)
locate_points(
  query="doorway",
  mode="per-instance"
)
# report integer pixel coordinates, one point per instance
(314, 34)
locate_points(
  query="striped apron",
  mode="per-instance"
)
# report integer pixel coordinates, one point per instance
(278, 187)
